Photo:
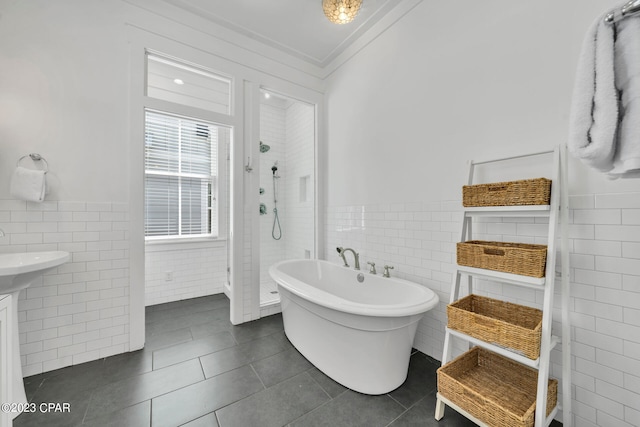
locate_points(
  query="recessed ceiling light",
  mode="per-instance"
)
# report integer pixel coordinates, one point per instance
(267, 95)
(178, 81)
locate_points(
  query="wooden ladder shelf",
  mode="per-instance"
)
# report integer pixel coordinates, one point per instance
(557, 211)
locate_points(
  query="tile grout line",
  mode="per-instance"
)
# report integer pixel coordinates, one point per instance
(316, 382)
(395, 400)
(314, 409)
(84, 416)
(398, 417)
(256, 372)
(138, 402)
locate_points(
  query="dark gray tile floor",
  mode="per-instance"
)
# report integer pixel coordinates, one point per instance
(199, 370)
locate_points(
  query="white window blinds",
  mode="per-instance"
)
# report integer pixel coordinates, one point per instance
(180, 177)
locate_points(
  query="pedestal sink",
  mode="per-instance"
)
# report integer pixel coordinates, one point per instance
(17, 272)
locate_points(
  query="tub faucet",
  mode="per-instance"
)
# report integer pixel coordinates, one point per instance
(356, 257)
(386, 271)
(372, 270)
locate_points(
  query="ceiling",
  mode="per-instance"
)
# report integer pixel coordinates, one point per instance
(297, 27)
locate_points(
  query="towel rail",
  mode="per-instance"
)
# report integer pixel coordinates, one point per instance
(36, 158)
(630, 8)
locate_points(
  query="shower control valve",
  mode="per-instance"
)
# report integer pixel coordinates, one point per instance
(372, 270)
(386, 271)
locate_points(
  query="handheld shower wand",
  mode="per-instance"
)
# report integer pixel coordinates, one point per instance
(276, 219)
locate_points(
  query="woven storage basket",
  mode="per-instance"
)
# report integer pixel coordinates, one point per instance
(508, 325)
(517, 258)
(510, 193)
(494, 389)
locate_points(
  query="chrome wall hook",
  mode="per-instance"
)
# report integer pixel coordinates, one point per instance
(632, 7)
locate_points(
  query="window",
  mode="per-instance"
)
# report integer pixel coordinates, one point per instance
(181, 176)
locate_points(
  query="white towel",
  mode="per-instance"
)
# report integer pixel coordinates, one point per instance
(594, 110)
(28, 184)
(605, 112)
(626, 162)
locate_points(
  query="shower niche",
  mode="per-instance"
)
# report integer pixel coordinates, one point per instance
(286, 187)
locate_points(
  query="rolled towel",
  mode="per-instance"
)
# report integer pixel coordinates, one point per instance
(28, 184)
(594, 108)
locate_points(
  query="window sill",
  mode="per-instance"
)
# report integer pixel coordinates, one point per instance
(161, 245)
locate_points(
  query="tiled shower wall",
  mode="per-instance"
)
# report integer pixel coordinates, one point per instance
(289, 131)
(418, 239)
(273, 133)
(300, 183)
(79, 311)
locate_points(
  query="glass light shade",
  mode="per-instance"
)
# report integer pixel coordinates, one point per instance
(341, 11)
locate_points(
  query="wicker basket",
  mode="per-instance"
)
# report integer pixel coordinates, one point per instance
(508, 325)
(494, 389)
(517, 258)
(511, 193)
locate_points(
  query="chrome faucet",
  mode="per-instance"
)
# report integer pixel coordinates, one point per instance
(372, 270)
(386, 271)
(356, 257)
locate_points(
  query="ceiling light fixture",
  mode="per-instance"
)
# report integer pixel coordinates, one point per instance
(341, 11)
(178, 81)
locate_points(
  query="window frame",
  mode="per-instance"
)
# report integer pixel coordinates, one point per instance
(221, 183)
(211, 179)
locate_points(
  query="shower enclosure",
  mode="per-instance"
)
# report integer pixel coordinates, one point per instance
(287, 187)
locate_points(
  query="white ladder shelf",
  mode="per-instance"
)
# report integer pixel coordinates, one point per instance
(557, 212)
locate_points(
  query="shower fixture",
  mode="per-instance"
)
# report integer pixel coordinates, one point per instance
(274, 170)
(276, 220)
(264, 147)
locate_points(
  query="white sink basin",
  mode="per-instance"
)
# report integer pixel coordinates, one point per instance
(18, 270)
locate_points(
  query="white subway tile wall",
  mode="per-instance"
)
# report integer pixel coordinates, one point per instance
(270, 309)
(418, 239)
(300, 202)
(289, 131)
(176, 274)
(80, 310)
(273, 125)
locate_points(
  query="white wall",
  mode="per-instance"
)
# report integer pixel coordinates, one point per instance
(446, 84)
(63, 95)
(451, 82)
(60, 87)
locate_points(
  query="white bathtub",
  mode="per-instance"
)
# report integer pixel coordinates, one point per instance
(358, 333)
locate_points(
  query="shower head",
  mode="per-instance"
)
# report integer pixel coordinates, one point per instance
(264, 147)
(274, 169)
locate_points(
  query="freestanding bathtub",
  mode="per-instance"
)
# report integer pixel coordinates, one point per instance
(357, 328)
